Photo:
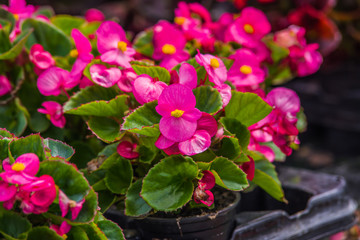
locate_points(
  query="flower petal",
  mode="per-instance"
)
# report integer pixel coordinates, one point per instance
(162, 142)
(198, 143)
(178, 96)
(108, 35)
(177, 129)
(7, 191)
(188, 76)
(82, 44)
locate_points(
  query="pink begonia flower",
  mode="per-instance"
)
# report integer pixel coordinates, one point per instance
(176, 105)
(103, 76)
(225, 93)
(291, 36)
(219, 28)
(5, 85)
(54, 112)
(94, 15)
(187, 9)
(22, 171)
(113, 45)
(147, 89)
(55, 80)
(19, 9)
(246, 70)
(249, 168)
(261, 51)
(202, 193)
(125, 83)
(85, 82)
(214, 67)
(169, 44)
(65, 204)
(43, 192)
(198, 143)
(187, 76)
(40, 58)
(127, 149)
(82, 53)
(306, 60)
(338, 236)
(7, 191)
(61, 230)
(249, 28)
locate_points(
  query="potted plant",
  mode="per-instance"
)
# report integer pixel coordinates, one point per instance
(157, 121)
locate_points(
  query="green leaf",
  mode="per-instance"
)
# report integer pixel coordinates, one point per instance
(106, 200)
(208, 99)
(162, 74)
(235, 127)
(230, 148)
(59, 149)
(5, 133)
(228, 175)
(13, 118)
(66, 23)
(77, 233)
(43, 233)
(38, 122)
(45, 11)
(8, 17)
(147, 149)
(5, 43)
(106, 129)
(4, 148)
(119, 176)
(30, 144)
(142, 120)
(135, 205)
(86, 100)
(17, 47)
(143, 43)
(13, 226)
(279, 155)
(93, 232)
(302, 121)
(69, 180)
(168, 185)
(111, 230)
(247, 108)
(277, 52)
(266, 178)
(108, 150)
(52, 39)
(101, 108)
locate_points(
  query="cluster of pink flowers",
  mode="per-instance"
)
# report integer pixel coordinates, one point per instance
(202, 193)
(19, 183)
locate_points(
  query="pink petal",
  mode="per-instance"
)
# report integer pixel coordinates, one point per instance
(146, 89)
(284, 99)
(177, 129)
(77, 70)
(126, 81)
(76, 210)
(192, 115)
(188, 76)
(85, 82)
(207, 123)
(17, 177)
(267, 152)
(108, 35)
(207, 182)
(172, 150)
(82, 44)
(210, 199)
(249, 168)
(63, 203)
(31, 162)
(46, 196)
(105, 77)
(93, 15)
(7, 191)
(115, 56)
(5, 85)
(127, 149)
(162, 142)
(198, 143)
(178, 96)
(64, 228)
(52, 81)
(225, 93)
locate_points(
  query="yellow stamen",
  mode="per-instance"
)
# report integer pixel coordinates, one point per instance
(214, 63)
(177, 113)
(18, 167)
(168, 49)
(245, 69)
(64, 236)
(122, 46)
(74, 53)
(16, 17)
(179, 20)
(72, 203)
(248, 28)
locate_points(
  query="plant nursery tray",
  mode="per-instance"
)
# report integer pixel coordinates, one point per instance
(317, 207)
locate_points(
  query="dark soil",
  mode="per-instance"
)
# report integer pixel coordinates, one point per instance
(223, 198)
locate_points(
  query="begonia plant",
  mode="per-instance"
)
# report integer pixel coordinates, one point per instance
(156, 120)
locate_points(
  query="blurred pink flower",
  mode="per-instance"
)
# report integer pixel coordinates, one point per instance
(65, 204)
(305, 60)
(249, 168)
(54, 112)
(40, 58)
(103, 76)
(94, 15)
(187, 76)
(55, 80)
(125, 83)
(202, 193)
(61, 230)
(169, 44)
(127, 150)
(113, 45)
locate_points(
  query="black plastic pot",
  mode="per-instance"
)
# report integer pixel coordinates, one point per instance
(318, 207)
